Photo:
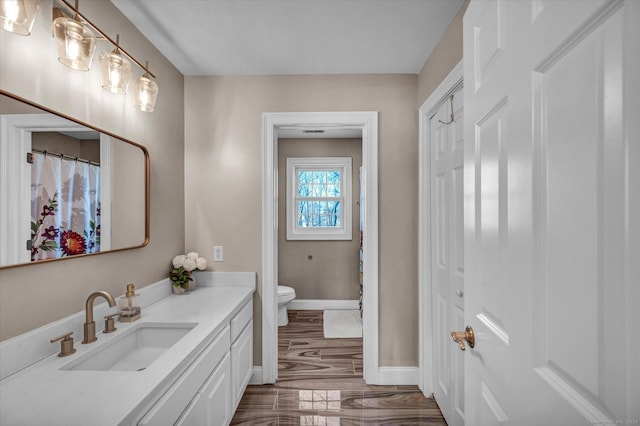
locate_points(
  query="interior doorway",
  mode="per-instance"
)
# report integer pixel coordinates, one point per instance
(273, 124)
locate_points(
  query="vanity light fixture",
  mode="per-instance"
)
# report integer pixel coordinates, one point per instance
(115, 70)
(76, 43)
(146, 92)
(18, 16)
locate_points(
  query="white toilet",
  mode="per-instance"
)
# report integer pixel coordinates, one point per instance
(285, 295)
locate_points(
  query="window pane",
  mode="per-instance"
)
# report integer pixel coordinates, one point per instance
(319, 177)
(304, 176)
(334, 177)
(304, 190)
(318, 184)
(303, 210)
(319, 190)
(303, 206)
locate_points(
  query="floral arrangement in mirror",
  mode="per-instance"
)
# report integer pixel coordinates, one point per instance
(183, 266)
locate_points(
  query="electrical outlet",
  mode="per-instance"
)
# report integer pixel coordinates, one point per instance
(218, 253)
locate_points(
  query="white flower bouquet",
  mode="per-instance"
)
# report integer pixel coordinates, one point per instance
(183, 266)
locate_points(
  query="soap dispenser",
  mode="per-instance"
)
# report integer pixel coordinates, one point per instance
(130, 305)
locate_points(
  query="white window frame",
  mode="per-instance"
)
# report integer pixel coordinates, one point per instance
(344, 231)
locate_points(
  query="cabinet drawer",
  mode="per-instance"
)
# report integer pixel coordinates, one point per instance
(241, 319)
(167, 410)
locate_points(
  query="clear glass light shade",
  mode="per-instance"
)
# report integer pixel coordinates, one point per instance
(76, 43)
(146, 94)
(18, 16)
(115, 71)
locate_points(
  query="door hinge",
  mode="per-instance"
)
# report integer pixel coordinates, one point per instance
(30, 157)
(29, 245)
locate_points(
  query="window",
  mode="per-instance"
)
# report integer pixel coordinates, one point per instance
(319, 198)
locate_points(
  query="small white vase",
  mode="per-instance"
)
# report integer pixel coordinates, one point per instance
(177, 290)
(191, 285)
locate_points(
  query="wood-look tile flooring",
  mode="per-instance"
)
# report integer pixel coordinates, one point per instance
(320, 383)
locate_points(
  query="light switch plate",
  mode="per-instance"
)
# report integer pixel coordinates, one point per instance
(218, 253)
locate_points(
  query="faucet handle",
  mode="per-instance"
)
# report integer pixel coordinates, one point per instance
(66, 345)
(110, 323)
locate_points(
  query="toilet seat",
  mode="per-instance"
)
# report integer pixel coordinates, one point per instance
(284, 290)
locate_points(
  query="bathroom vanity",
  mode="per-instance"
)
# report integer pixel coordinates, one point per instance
(187, 360)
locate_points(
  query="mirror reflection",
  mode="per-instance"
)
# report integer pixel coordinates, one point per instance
(66, 189)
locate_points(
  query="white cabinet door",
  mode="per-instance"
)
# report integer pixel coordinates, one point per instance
(552, 211)
(241, 362)
(211, 406)
(447, 254)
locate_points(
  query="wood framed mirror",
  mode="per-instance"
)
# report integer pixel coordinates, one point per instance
(67, 188)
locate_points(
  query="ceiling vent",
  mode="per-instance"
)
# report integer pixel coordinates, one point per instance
(313, 131)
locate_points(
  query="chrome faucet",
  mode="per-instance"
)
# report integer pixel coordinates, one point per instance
(90, 324)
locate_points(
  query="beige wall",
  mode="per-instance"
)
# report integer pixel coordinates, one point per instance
(33, 295)
(224, 180)
(88, 149)
(445, 56)
(334, 270)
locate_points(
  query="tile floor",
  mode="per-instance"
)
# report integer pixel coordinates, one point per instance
(320, 383)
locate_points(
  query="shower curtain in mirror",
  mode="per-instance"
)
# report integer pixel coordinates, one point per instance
(65, 207)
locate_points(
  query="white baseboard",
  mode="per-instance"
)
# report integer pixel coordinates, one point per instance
(397, 376)
(321, 304)
(401, 376)
(256, 375)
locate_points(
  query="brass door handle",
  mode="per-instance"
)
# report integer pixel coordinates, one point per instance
(464, 336)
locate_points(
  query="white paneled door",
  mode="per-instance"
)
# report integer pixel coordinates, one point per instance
(447, 253)
(552, 212)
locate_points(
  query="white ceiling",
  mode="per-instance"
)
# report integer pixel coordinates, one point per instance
(263, 37)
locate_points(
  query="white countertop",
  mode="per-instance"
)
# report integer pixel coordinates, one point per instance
(45, 394)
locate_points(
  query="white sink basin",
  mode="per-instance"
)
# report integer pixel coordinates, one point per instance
(134, 350)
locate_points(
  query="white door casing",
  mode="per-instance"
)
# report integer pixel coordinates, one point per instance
(15, 185)
(368, 123)
(552, 211)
